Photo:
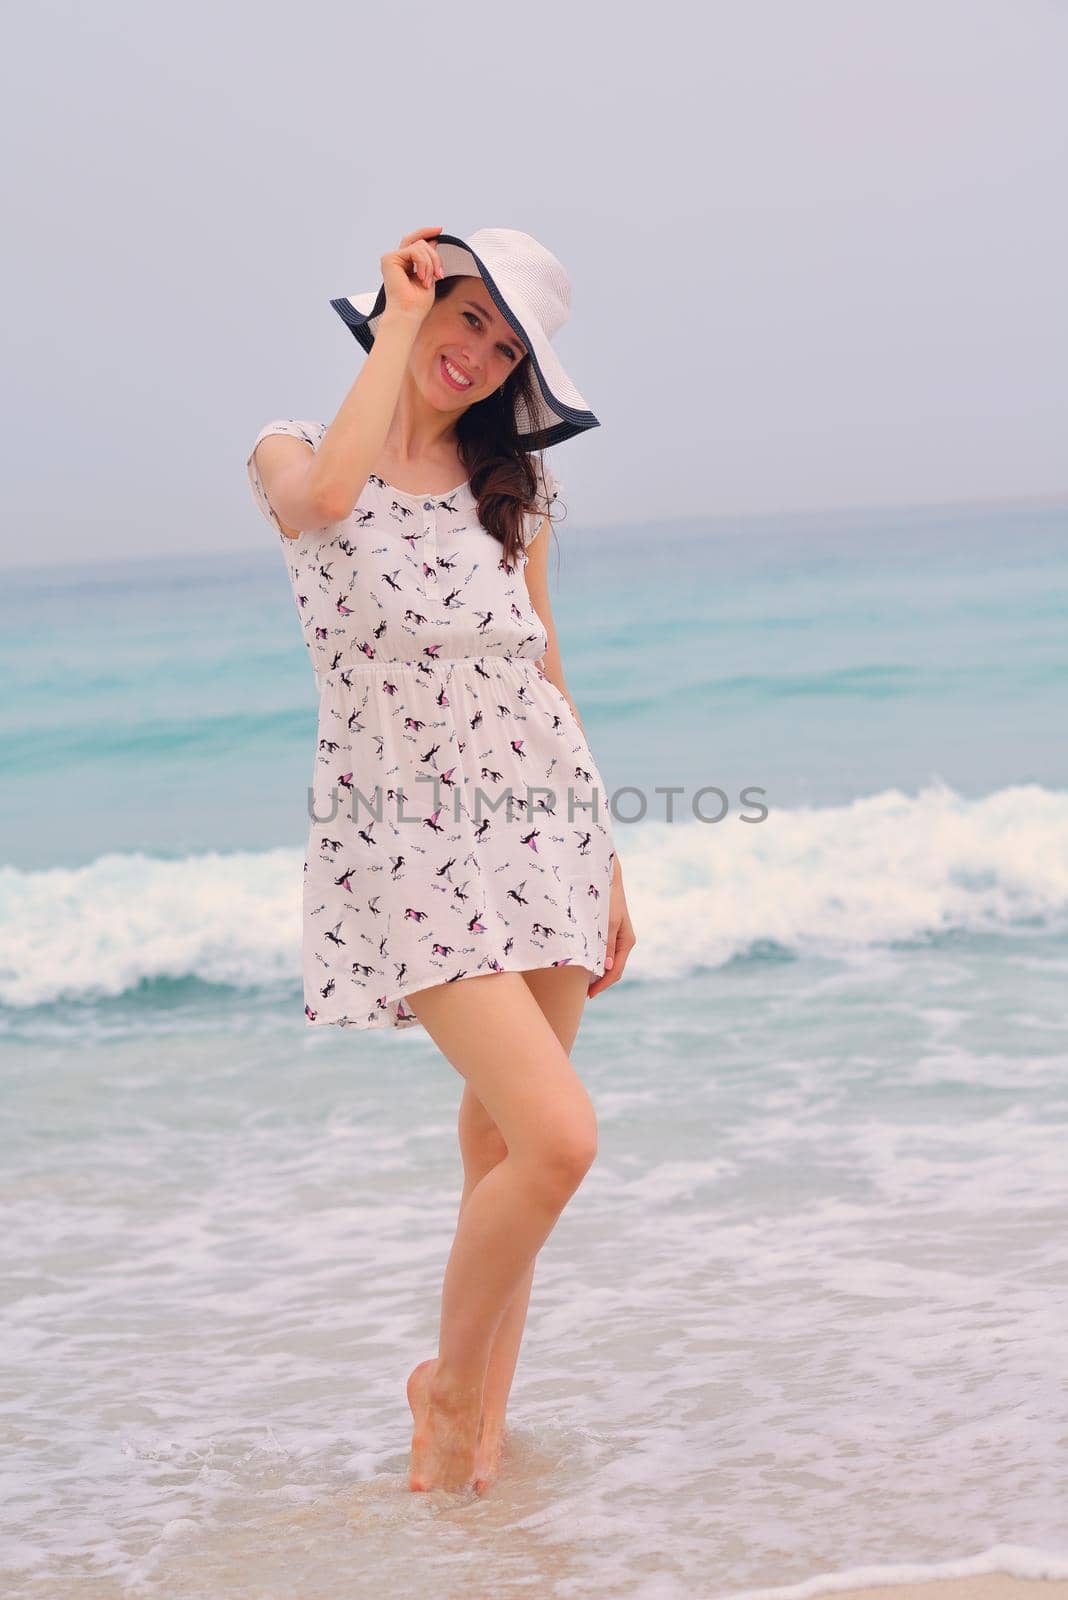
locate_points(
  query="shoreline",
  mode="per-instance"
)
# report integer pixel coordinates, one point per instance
(978, 1585)
(983, 1586)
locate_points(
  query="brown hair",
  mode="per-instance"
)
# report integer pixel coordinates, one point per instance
(502, 474)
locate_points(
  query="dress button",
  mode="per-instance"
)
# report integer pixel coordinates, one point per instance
(428, 505)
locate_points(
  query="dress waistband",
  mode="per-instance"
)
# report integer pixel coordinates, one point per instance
(394, 663)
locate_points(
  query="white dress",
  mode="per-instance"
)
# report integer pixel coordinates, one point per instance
(434, 716)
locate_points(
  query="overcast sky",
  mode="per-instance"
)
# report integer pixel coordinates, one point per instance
(818, 250)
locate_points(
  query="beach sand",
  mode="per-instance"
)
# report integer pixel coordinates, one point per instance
(986, 1586)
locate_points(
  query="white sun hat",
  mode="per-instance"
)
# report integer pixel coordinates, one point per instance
(532, 292)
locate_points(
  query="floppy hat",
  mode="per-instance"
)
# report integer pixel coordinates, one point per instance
(532, 292)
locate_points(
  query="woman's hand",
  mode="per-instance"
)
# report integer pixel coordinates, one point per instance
(621, 936)
(410, 273)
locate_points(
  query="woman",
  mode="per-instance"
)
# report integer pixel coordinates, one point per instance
(461, 870)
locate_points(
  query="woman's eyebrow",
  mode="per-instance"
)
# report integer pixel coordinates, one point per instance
(508, 334)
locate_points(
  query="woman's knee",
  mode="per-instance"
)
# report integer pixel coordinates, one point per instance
(564, 1150)
(560, 1152)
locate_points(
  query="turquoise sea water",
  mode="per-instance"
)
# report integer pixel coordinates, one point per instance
(807, 1312)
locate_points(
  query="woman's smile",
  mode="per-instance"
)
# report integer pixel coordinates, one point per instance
(453, 375)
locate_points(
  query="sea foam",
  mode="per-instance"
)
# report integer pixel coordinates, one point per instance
(835, 881)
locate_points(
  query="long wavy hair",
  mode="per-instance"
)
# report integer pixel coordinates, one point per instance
(502, 474)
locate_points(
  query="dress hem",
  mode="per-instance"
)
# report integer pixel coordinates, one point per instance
(386, 1019)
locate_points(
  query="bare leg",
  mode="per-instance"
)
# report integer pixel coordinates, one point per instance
(561, 994)
(495, 1034)
(500, 1371)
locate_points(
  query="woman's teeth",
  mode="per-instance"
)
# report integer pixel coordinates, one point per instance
(456, 376)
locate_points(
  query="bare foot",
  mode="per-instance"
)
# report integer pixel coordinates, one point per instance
(488, 1454)
(444, 1436)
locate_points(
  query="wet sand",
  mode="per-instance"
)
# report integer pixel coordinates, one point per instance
(987, 1586)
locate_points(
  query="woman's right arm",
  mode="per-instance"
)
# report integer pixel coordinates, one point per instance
(311, 488)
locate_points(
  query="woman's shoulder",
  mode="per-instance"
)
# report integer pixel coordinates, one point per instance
(548, 483)
(311, 432)
(547, 493)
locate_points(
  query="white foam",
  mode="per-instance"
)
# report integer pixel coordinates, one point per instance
(99, 930)
(844, 880)
(837, 881)
(1018, 1561)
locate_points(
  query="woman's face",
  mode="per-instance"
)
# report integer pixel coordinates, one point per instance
(464, 331)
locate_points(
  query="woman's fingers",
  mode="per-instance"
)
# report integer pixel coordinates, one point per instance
(426, 265)
(613, 968)
(407, 273)
(621, 941)
(415, 261)
(419, 241)
(420, 233)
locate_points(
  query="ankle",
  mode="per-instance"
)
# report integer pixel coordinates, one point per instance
(450, 1391)
(492, 1425)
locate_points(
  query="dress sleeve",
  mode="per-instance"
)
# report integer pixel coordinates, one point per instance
(310, 432)
(546, 494)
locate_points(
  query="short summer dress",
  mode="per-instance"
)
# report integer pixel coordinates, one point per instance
(459, 825)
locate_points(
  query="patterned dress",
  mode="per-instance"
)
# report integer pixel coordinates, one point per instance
(458, 823)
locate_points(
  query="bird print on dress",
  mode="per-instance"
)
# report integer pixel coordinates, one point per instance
(458, 822)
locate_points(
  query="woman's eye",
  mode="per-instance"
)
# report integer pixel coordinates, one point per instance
(509, 352)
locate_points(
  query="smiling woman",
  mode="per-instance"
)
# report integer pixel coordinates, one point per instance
(467, 349)
(461, 871)
(518, 397)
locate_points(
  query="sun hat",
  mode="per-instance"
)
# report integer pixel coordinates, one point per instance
(532, 292)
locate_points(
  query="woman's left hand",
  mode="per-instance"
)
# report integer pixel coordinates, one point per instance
(621, 936)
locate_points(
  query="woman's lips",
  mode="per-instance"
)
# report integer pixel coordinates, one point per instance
(460, 388)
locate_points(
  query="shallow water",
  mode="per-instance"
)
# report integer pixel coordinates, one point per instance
(806, 1313)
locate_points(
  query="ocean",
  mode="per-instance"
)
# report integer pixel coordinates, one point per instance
(805, 1317)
